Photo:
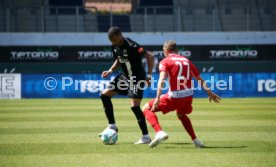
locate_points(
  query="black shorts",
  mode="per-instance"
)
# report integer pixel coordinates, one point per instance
(133, 88)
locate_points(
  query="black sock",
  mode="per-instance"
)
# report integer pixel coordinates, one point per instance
(140, 119)
(108, 108)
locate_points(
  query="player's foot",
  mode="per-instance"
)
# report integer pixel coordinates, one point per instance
(198, 143)
(159, 137)
(144, 140)
(108, 127)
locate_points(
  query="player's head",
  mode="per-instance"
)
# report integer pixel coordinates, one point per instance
(169, 47)
(115, 36)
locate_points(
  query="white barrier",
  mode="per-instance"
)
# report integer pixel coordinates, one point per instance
(99, 39)
(10, 86)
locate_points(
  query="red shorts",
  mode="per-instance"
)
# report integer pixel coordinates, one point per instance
(167, 104)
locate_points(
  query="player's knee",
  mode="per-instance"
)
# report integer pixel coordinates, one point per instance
(180, 115)
(135, 103)
(183, 113)
(145, 107)
(106, 100)
(108, 93)
(189, 110)
(104, 96)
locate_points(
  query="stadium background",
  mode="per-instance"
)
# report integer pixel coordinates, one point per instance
(222, 37)
(67, 38)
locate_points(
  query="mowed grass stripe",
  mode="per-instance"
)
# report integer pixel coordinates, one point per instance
(93, 103)
(127, 109)
(192, 157)
(92, 107)
(51, 113)
(133, 128)
(125, 117)
(131, 137)
(124, 100)
(91, 148)
(64, 132)
(132, 121)
(228, 102)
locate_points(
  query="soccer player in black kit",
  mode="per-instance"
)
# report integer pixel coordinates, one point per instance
(128, 55)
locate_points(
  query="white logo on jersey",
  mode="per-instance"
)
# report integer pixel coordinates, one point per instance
(122, 60)
(125, 53)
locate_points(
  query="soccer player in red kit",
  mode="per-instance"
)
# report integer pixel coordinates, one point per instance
(179, 71)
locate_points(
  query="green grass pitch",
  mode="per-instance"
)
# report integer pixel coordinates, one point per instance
(62, 132)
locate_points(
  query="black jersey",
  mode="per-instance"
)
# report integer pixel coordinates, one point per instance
(130, 56)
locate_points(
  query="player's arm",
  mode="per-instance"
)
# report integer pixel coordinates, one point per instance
(212, 96)
(161, 82)
(150, 61)
(114, 67)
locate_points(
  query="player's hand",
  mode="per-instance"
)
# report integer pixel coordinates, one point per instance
(155, 104)
(106, 73)
(214, 97)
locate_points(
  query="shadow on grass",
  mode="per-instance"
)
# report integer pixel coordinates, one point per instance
(218, 147)
(177, 143)
(206, 147)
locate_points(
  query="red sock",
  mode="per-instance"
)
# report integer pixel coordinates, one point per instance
(153, 120)
(187, 125)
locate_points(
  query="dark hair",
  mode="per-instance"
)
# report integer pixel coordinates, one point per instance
(113, 31)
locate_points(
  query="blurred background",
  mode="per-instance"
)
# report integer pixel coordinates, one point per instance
(137, 15)
(42, 38)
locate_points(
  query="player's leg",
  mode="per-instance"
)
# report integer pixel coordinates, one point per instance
(136, 109)
(182, 115)
(151, 117)
(135, 92)
(112, 89)
(187, 124)
(165, 106)
(153, 120)
(108, 107)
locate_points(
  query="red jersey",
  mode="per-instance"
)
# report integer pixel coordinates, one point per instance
(180, 71)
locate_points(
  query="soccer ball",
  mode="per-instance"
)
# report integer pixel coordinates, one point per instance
(109, 137)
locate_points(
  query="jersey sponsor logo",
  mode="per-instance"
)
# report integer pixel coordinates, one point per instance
(125, 53)
(117, 50)
(268, 85)
(179, 58)
(122, 60)
(181, 93)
